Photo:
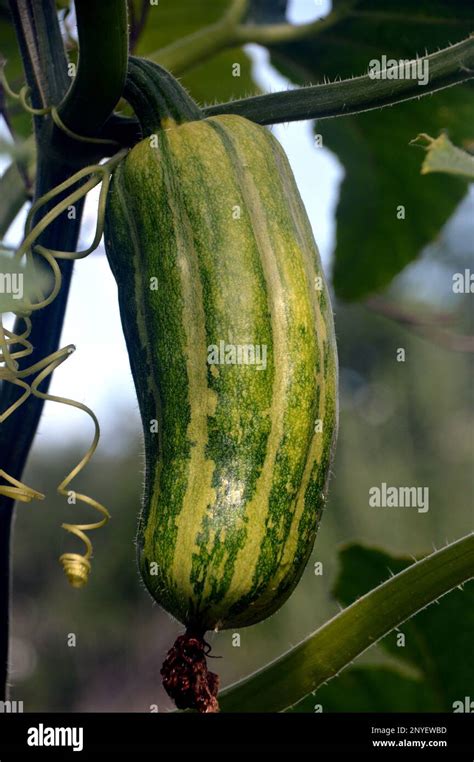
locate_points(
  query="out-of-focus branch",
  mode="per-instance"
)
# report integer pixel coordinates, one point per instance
(431, 327)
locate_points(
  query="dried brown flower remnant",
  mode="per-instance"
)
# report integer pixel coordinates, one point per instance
(186, 677)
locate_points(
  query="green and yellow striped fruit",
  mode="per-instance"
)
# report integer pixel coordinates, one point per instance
(230, 333)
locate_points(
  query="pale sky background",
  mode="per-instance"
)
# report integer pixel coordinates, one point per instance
(98, 373)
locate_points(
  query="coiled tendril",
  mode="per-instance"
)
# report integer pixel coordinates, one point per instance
(15, 346)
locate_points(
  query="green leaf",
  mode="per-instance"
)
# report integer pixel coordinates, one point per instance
(447, 671)
(9, 52)
(20, 151)
(20, 282)
(15, 182)
(8, 44)
(362, 568)
(373, 244)
(324, 654)
(12, 196)
(370, 689)
(210, 81)
(442, 156)
(440, 675)
(387, 211)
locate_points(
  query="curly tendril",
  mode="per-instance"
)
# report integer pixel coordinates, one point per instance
(15, 346)
(22, 97)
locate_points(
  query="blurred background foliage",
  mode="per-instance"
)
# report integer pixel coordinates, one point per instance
(403, 423)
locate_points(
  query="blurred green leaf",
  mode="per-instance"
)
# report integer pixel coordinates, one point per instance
(8, 46)
(169, 21)
(373, 245)
(442, 156)
(16, 181)
(213, 80)
(9, 52)
(21, 151)
(441, 673)
(447, 670)
(21, 281)
(370, 689)
(387, 211)
(12, 196)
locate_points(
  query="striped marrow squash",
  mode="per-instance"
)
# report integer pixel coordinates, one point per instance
(230, 334)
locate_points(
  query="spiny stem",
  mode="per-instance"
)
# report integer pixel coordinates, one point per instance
(338, 642)
(446, 68)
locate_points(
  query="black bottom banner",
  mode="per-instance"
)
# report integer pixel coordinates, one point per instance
(88, 736)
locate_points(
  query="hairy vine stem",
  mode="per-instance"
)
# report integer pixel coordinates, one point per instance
(446, 67)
